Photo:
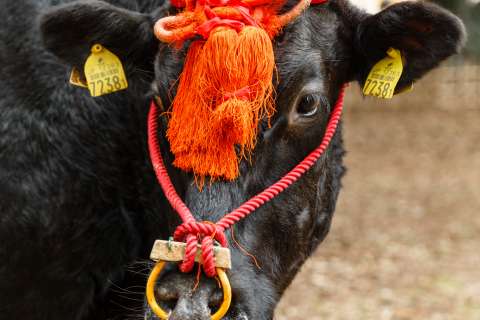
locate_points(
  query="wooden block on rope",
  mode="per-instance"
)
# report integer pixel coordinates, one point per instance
(173, 251)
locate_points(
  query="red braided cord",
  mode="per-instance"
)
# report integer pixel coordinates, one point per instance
(175, 201)
(190, 228)
(200, 17)
(160, 170)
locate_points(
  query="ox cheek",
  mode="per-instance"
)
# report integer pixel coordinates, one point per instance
(304, 219)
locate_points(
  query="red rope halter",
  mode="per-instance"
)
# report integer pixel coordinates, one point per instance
(200, 17)
(190, 230)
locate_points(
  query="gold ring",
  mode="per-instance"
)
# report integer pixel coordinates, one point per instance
(150, 291)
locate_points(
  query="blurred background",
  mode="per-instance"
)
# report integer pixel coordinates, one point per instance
(405, 240)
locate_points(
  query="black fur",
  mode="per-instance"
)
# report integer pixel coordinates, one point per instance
(79, 199)
(71, 217)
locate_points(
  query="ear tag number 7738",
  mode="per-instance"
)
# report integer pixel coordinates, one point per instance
(104, 72)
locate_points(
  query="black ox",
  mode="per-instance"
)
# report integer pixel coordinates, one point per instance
(78, 197)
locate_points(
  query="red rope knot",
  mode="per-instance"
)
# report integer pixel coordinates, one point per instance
(202, 16)
(191, 233)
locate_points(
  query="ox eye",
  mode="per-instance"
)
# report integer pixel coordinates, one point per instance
(309, 105)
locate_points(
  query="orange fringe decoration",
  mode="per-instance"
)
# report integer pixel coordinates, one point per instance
(205, 127)
(225, 88)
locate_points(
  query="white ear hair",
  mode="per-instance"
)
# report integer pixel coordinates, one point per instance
(374, 6)
(369, 6)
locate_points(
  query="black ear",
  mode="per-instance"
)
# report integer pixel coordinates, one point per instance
(425, 34)
(70, 30)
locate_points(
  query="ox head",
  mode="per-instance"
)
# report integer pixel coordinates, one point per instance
(328, 45)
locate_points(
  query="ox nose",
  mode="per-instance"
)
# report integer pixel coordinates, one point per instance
(185, 298)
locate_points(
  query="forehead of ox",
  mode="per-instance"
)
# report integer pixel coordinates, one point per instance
(310, 57)
(312, 49)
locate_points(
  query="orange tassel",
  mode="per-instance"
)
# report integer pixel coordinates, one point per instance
(208, 119)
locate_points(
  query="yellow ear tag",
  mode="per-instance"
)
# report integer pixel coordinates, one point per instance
(384, 76)
(104, 72)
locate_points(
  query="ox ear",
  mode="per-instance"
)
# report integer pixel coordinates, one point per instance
(424, 33)
(70, 30)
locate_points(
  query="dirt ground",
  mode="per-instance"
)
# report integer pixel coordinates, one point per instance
(405, 240)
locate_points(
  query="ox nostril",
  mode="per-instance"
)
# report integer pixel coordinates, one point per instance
(166, 298)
